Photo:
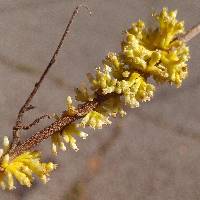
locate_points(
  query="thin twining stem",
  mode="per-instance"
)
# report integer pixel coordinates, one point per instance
(36, 121)
(82, 110)
(24, 108)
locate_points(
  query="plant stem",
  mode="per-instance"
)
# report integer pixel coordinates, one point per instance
(193, 32)
(17, 128)
(58, 125)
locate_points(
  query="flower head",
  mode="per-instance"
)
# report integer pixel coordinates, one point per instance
(67, 135)
(94, 120)
(22, 168)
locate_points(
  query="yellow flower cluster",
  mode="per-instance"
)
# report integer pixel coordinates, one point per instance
(22, 168)
(144, 53)
(158, 53)
(95, 119)
(66, 136)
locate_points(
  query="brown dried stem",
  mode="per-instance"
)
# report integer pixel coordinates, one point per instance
(36, 121)
(26, 106)
(58, 125)
(82, 109)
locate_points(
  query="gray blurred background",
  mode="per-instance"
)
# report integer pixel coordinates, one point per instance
(153, 154)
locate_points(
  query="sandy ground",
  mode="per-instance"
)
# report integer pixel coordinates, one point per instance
(153, 154)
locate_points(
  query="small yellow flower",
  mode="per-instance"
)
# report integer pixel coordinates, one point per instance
(22, 168)
(95, 119)
(112, 107)
(71, 110)
(67, 136)
(104, 80)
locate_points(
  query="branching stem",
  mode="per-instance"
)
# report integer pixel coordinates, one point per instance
(36, 121)
(65, 120)
(26, 106)
(58, 125)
